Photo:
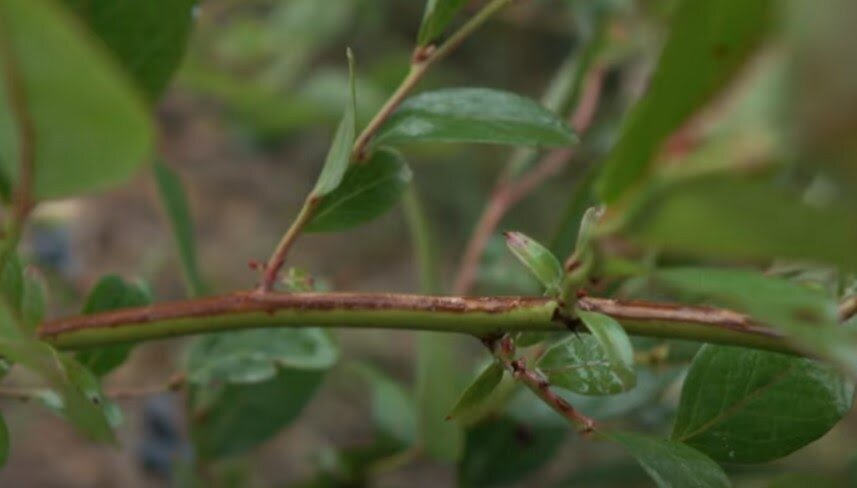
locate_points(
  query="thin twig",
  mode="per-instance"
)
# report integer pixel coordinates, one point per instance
(507, 194)
(422, 58)
(504, 351)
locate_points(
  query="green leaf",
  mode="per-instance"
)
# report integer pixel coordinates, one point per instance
(714, 38)
(148, 38)
(4, 441)
(175, 203)
(504, 451)
(339, 154)
(435, 390)
(254, 356)
(229, 419)
(478, 391)
(367, 191)
(436, 17)
(598, 364)
(478, 115)
(82, 402)
(111, 293)
(747, 406)
(807, 316)
(538, 259)
(91, 129)
(671, 464)
(393, 408)
(726, 216)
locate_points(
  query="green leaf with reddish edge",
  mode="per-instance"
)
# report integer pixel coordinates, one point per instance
(479, 115)
(436, 17)
(367, 191)
(671, 464)
(91, 128)
(707, 44)
(538, 259)
(474, 396)
(745, 406)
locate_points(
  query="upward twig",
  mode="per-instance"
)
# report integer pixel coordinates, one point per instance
(421, 60)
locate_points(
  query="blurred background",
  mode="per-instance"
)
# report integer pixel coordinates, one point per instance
(247, 122)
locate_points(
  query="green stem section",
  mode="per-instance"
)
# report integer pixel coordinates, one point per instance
(478, 316)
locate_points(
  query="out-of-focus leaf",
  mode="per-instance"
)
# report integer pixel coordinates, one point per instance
(800, 480)
(747, 406)
(254, 356)
(478, 391)
(714, 38)
(538, 259)
(4, 441)
(504, 451)
(82, 402)
(479, 115)
(229, 419)
(91, 129)
(436, 17)
(393, 407)
(111, 293)
(436, 390)
(148, 38)
(581, 199)
(367, 191)
(175, 203)
(671, 464)
(733, 217)
(601, 363)
(32, 300)
(339, 154)
(807, 316)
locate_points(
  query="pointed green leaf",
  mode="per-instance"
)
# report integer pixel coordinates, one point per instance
(807, 316)
(478, 391)
(392, 406)
(111, 293)
(747, 406)
(253, 356)
(540, 261)
(672, 464)
(727, 216)
(91, 128)
(436, 17)
(598, 364)
(175, 203)
(339, 154)
(478, 115)
(148, 38)
(707, 44)
(367, 191)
